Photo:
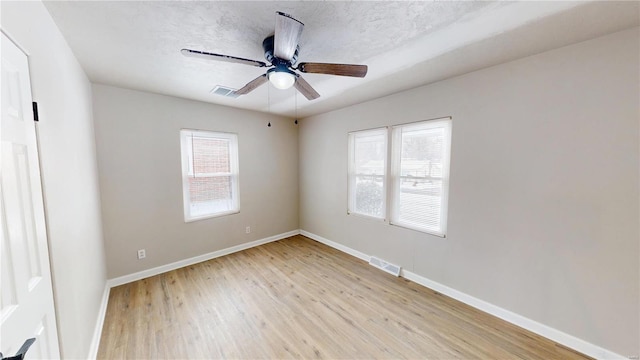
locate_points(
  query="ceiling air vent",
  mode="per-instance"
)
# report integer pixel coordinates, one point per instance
(224, 91)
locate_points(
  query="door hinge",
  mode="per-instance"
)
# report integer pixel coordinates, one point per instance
(35, 111)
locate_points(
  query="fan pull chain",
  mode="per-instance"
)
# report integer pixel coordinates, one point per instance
(269, 102)
(295, 99)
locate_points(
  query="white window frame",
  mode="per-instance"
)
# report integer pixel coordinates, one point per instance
(186, 149)
(352, 175)
(396, 178)
(392, 179)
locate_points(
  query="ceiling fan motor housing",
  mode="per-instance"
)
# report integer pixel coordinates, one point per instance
(267, 45)
(281, 51)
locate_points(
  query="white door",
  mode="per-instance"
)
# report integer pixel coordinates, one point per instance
(26, 310)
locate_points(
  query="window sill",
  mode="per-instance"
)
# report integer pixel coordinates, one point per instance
(366, 216)
(418, 229)
(204, 217)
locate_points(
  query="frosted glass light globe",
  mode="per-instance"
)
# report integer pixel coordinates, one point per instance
(282, 80)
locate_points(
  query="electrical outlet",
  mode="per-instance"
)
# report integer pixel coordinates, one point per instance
(142, 254)
(248, 229)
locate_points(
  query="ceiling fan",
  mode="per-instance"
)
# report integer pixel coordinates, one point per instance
(281, 51)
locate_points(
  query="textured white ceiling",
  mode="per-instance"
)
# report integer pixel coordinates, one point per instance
(136, 44)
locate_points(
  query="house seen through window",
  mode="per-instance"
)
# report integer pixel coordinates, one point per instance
(209, 173)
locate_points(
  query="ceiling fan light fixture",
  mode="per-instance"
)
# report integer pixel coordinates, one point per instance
(281, 51)
(282, 79)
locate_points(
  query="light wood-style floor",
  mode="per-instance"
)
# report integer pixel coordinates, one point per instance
(297, 298)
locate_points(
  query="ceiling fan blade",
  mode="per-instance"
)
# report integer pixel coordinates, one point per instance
(334, 69)
(305, 89)
(220, 57)
(286, 36)
(252, 85)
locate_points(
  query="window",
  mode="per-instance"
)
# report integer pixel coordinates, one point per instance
(420, 175)
(209, 174)
(367, 172)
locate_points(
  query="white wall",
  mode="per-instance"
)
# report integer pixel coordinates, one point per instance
(138, 146)
(543, 212)
(69, 172)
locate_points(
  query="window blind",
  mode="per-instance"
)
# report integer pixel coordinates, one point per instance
(420, 175)
(367, 172)
(210, 174)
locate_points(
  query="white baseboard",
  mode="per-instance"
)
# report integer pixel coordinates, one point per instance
(194, 260)
(519, 320)
(335, 245)
(97, 331)
(548, 332)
